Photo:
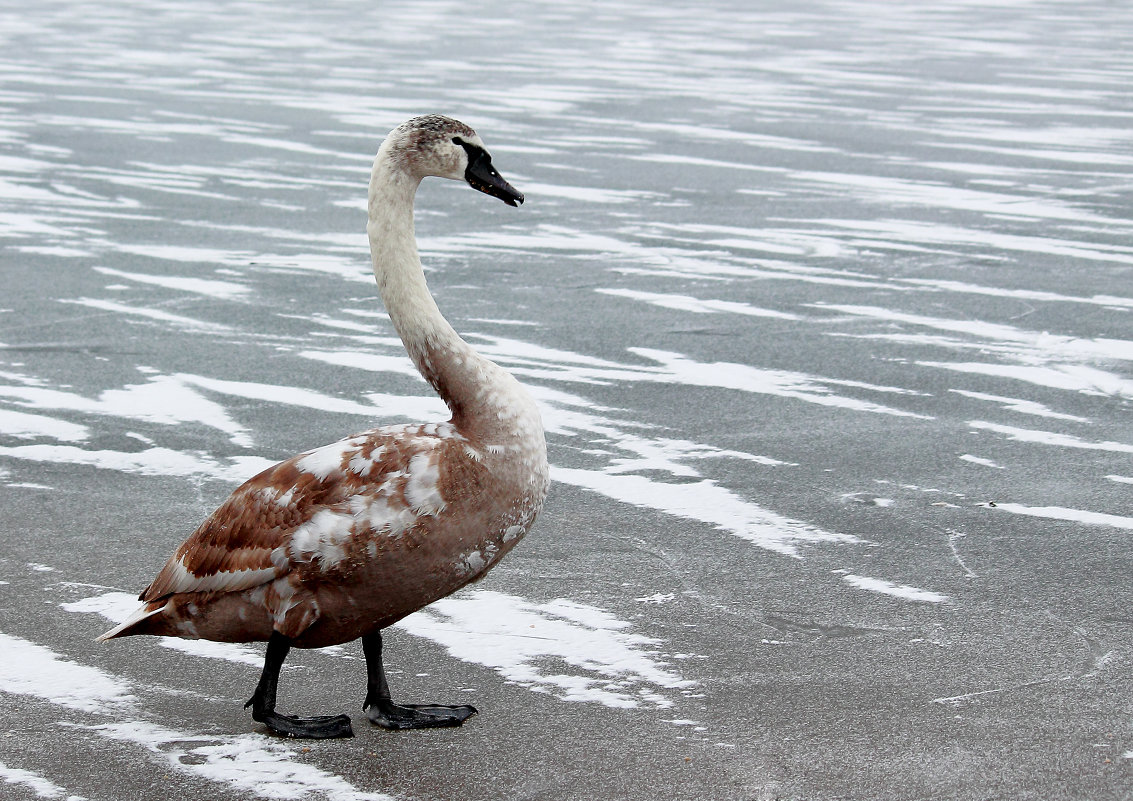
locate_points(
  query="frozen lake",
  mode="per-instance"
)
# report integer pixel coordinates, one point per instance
(829, 307)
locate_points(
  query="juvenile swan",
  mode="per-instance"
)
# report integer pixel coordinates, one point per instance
(341, 541)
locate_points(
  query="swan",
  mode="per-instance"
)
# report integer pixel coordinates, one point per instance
(337, 543)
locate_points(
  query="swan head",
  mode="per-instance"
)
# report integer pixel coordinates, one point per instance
(447, 148)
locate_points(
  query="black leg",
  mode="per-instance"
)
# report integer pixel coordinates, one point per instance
(385, 713)
(263, 702)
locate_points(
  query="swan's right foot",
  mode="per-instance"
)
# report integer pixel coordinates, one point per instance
(385, 713)
(324, 727)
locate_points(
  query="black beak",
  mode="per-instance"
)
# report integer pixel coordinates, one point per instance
(482, 176)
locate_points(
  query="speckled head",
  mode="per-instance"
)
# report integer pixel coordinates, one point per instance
(446, 148)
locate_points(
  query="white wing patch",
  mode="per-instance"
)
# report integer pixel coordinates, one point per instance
(421, 489)
(183, 580)
(323, 462)
(322, 537)
(387, 509)
(362, 465)
(384, 513)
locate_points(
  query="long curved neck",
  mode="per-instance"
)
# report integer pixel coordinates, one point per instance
(466, 381)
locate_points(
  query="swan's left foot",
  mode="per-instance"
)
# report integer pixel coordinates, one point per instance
(389, 715)
(263, 702)
(317, 728)
(382, 711)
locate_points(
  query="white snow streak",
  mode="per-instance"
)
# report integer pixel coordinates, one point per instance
(903, 591)
(42, 787)
(530, 643)
(1072, 515)
(248, 762)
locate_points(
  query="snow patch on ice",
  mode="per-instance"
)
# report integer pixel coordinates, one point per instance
(150, 462)
(697, 306)
(221, 290)
(706, 502)
(967, 457)
(248, 763)
(1035, 342)
(1072, 515)
(22, 425)
(1072, 377)
(41, 786)
(163, 399)
(381, 405)
(31, 669)
(1024, 294)
(903, 591)
(157, 315)
(1020, 405)
(1050, 438)
(531, 644)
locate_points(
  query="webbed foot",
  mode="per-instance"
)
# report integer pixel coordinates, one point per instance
(263, 702)
(382, 711)
(389, 715)
(323, 727)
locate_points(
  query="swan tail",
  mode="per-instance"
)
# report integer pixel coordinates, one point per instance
(137, 623)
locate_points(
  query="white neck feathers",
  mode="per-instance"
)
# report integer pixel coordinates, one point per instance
(483, 398)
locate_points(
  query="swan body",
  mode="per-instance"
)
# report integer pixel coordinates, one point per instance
(341, 541)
